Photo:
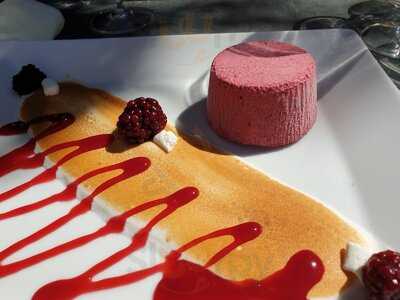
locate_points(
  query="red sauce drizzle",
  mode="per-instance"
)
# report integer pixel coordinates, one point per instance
(182, 279)
(14, 128)
(69, 193)
(83, 146)
(129, 168)
(185, 280)
(23, 157)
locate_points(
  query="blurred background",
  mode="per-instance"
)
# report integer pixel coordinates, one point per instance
(376, 21)
(201, 16)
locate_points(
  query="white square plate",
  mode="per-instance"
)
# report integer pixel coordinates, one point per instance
(349, 159)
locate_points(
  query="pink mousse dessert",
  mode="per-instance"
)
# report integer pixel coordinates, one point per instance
(262, 93)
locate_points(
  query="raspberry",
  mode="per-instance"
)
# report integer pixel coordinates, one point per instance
(141, 120)
(381, 276)
(27, 80)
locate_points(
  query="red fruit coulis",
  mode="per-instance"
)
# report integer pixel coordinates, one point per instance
(14, 128)
(181, 279)
(23, 157)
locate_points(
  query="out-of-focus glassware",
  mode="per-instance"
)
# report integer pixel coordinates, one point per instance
(373, 7)
(120, 20)
(383, 37)
(395, 2)
(322, 23)
(64, 4)
(378, 23)
(110, 17)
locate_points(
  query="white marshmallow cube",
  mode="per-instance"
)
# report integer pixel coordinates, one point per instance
(356, 258)
(50, 87)
(166, 140)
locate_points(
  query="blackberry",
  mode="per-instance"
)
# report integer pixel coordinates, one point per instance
(27, 80)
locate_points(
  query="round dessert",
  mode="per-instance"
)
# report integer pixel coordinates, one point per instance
(262, 93)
